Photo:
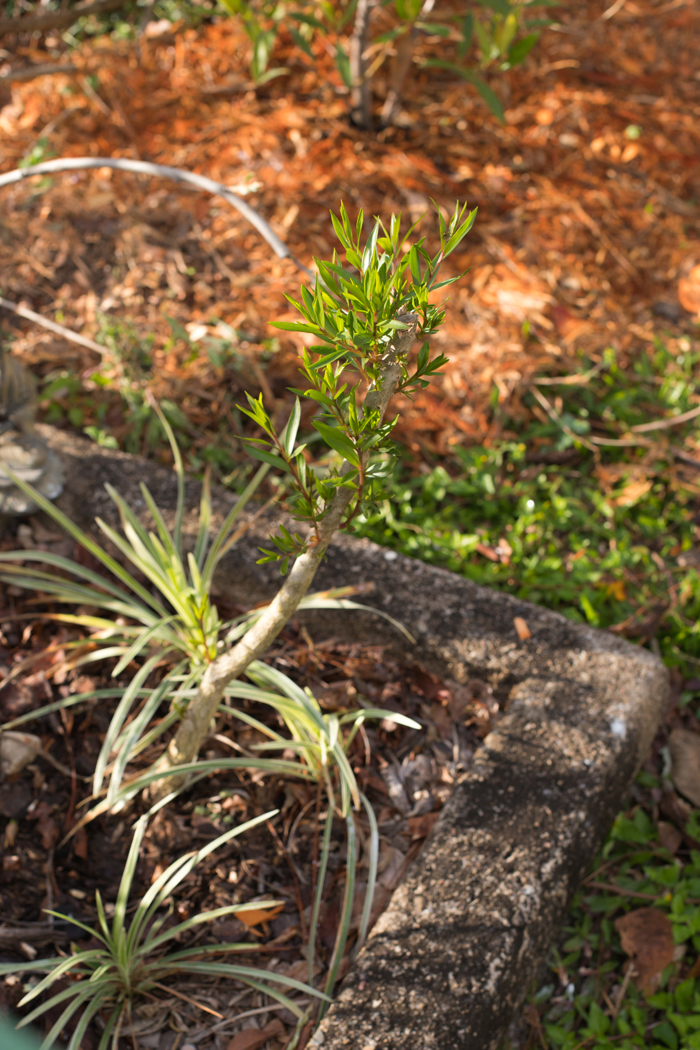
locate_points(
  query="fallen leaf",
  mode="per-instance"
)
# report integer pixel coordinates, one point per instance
(80, 844)
(392, 864)
(46, 824)
(422, 825)
(684, 746)
(616, 590)
(647, 937)
(254, 1038)
(669, 836)
(11, 829)
(263, 913)
(488, 552)
(675, 808)
(631, 493)
(522, 628)
(298, 970)
(689, 291)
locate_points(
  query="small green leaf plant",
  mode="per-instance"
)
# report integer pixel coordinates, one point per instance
(364, 317)
(501, 32)
(131, 959)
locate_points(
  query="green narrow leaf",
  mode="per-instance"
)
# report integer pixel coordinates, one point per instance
(289, 434)
(342, 64)
(487, 93)
(180, 473)
(200, 547)
(337, 440)
(522, 48)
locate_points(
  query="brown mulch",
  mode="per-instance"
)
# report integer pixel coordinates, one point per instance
(584, 231)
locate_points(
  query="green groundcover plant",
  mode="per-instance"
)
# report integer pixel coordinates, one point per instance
(606, 534)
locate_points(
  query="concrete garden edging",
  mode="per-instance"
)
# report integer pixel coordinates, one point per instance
(449, 962)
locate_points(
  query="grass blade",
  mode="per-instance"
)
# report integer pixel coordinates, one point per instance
(218, 547)
(346, 914)
(200, 547)
(119, 716)
(320, 881)
(372, 874)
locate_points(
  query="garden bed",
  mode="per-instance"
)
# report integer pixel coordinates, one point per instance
(448, 961)
(407, 775)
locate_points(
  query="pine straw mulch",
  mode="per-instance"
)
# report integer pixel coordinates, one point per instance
(583, 231)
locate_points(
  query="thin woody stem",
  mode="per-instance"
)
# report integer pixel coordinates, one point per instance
(194, 727)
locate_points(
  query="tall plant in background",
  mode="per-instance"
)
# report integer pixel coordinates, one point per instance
(490, 34)
(364, 317)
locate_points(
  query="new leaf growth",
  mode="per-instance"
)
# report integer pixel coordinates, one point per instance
(364, 317)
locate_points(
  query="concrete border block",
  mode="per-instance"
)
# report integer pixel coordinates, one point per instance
(449, 962)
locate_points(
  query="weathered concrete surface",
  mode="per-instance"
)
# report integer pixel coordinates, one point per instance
(449, 962)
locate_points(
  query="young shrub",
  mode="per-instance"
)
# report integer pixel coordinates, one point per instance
(364, 317)
(132, 959)
(503, 35)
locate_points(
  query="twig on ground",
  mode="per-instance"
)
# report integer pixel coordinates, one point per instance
(53, 326)
(612, 11)
(187, 999)
(663, 424)
(574, 380)
(620, 892)
(142, 167)
(56, 19)
(30, 72)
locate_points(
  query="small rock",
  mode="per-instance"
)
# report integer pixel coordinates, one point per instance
(15, 799)
(669, 311)
(684, 746)
(17, 750)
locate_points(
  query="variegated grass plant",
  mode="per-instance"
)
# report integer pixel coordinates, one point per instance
(322, 742)
(173, 622)
(131, 959)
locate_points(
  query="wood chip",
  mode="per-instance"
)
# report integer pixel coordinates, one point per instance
(522, 628)
(254, 1038)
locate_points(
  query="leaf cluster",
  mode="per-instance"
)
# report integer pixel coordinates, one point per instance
(356, 313)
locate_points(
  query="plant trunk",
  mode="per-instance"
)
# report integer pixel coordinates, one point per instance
(402, 64)
(361, 94)
(194, 727)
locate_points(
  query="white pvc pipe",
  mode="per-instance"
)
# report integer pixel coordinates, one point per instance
(143, 167)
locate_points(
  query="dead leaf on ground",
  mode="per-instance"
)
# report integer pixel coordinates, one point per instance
(522, 628)
(254, 1038)
(684, 746)
(647, 937)
(80, 844)
(670, 837)
(422, 825)
(689, 291)
(392, 864)
(46, 824)
(631, 493)
(263, 913)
